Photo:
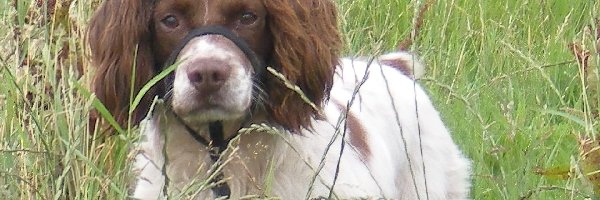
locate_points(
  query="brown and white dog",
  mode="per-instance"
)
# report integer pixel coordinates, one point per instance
(371, 133)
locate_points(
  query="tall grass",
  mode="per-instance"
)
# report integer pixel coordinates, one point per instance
(500, 72)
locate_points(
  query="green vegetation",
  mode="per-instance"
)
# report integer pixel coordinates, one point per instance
(502, 74)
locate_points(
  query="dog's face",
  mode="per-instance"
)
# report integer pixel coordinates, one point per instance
(298, 38)
(214, 80)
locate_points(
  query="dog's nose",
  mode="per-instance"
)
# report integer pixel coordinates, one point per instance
(207, 77)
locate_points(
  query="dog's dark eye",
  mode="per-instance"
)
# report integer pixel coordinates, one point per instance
(170, 21)
(248, 18)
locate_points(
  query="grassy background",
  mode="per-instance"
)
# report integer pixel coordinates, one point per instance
(500, 72)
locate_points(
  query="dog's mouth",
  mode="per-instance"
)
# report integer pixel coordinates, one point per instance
(215, 76)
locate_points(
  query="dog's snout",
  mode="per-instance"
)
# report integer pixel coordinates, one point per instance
(213, 80)
(208, 75)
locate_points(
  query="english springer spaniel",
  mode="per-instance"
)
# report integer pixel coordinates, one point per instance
(261, 105)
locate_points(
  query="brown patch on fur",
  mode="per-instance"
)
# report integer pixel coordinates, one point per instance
(399, 64)
(357, 133)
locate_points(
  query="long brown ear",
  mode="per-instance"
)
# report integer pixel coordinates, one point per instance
(118, 31)
(306, 49)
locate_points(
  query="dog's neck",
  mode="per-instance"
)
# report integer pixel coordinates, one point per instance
(188, 160)
(208, 133)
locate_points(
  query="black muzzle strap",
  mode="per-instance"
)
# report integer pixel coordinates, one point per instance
(257, 64)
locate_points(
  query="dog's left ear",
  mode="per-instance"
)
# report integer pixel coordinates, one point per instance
(306, 50)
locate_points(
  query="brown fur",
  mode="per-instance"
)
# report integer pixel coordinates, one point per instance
(305, 46)
(357, 133)
(401, 65)
(358, 136)
(117, 31)
(306, 51)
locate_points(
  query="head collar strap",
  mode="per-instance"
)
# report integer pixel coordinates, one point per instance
(217, 145)
(257, 64)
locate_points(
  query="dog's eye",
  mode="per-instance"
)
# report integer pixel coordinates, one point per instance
(170, 21)
(248, 18)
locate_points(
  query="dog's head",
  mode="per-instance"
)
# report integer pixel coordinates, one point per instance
(217, 77)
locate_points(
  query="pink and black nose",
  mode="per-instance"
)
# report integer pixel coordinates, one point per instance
(208, 75)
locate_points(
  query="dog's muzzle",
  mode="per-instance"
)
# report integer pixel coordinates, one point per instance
(257, 64)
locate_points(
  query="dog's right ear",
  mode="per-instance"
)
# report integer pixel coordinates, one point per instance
(119, 36)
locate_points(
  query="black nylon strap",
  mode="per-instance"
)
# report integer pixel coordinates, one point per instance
(257, 63)
(192, 132)
(217, 146)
